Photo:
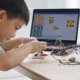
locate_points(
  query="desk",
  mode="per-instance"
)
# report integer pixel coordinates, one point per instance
(48, 69)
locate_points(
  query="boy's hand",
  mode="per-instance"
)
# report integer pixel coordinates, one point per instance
(37, 46)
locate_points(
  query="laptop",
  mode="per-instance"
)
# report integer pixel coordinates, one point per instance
(50, 24)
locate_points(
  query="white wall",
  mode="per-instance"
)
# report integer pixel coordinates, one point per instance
(56, 3)
(72, 3)
(36, 3)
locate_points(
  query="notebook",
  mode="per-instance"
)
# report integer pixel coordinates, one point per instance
(50, 24)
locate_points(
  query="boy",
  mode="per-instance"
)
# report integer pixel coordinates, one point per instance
(13, 14)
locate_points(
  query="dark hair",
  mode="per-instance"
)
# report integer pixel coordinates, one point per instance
(15, 9)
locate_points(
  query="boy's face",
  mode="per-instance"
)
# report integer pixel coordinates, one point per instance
(8, 27)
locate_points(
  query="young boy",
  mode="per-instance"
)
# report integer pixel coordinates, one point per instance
(13, 14)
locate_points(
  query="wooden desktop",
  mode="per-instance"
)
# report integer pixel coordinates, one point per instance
(48, 69)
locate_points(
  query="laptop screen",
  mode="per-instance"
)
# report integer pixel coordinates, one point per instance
(49, 24)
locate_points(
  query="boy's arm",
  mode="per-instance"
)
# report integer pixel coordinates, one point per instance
(10, 44)
(11, 58)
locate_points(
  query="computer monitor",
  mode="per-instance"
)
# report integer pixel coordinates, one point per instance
(49, 24)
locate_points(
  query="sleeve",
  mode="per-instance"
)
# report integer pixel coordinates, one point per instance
(1, 49)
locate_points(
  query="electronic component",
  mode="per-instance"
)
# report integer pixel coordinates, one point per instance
(39, 55)
(72, 59)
